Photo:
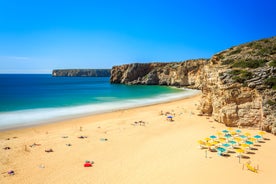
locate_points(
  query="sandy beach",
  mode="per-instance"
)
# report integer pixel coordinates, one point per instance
(154, 150)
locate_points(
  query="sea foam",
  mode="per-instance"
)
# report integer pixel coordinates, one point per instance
(21, 118)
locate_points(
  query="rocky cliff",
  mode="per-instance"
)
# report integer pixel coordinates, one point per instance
(173, 74)
(81, 73)
(238, 85)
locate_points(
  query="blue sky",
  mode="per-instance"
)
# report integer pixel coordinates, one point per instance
(37, 36)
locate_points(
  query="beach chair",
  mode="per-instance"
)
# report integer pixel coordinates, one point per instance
(251, 168)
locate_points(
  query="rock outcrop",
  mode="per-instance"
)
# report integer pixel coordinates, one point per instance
(238, 85)
(81, 73)
(186, 73)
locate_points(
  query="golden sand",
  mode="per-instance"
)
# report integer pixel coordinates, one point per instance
(124, 152)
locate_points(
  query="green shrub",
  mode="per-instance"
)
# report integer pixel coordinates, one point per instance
(250, 63)
(240, 75)
(227, 62)
(271, 103)
(273, 63)
(235, 72)
(236, 51)
(271, 82)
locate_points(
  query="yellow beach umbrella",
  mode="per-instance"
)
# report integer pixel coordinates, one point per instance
(207, 139)
(252, 139)
(262, 133)
(201, 142)
(209, 144)
(238, 139)
(233, 133)
(214, 142)
(239, 151)
(230, 129)
(244, 146)
(222, 140)
(247, 134)
(219, 134)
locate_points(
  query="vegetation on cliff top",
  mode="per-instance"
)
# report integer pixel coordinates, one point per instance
(250, 55)
(251, 60)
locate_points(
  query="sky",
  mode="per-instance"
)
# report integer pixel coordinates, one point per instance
(37, 36)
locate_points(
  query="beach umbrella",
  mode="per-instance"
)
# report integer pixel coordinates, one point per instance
(207, 139)
(239, 151)
(213, 136)
(244, 146)
(225, 131)
(201, 142)
(238, 131)
(257, 136)
(252, 139)
(219, 134)
(169, 118)
(227, 136)
(221, 150)
(222, 140)
(209, 144)
(232, 142)
(238, 139)
(247, 134)
(262, 133)
(214, 143)
(243, 136)
(226, 145)
(248, 142)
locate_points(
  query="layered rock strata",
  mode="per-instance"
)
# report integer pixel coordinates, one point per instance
(186, 73)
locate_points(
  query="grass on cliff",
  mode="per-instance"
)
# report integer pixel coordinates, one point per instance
(250, 63)
(271, 103)
(240, 75)
(271, 82)
(273, 63)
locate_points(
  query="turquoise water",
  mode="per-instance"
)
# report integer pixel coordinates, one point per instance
(31, 99)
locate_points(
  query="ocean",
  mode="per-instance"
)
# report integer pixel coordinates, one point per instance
(29, 99)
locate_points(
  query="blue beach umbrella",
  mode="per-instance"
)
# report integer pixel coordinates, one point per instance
(238, 131)
(226, 145)
(225, 131)
(257, 136)
(232, 142)
(220, 150)
(169, 117)
(213, 136)
(243, 136)
(227, 136)
(248, 142)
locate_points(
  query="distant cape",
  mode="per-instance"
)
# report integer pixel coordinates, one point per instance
(81, 73)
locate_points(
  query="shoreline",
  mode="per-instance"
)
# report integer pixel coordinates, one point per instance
(82, 111)
(158, 151)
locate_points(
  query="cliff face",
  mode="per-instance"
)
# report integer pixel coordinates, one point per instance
(174, 74)
(238, 85)
(82, 73)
